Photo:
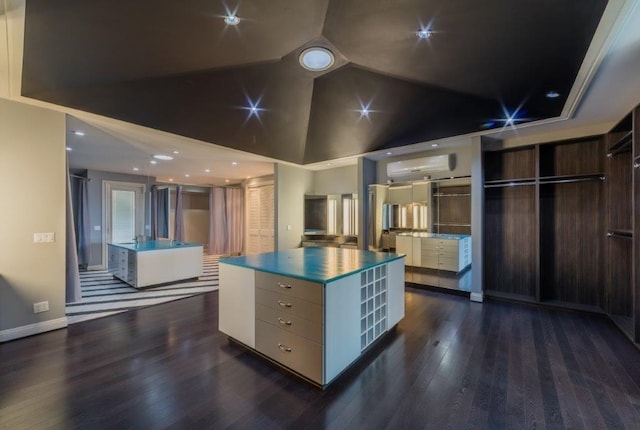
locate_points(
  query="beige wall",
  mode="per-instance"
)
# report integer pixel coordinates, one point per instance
(32, 191)
(340, 180)
(291, 184)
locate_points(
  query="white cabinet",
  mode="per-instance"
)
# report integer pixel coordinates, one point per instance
(404, 245)
(453, 255)
(314, 329)
(400, 195)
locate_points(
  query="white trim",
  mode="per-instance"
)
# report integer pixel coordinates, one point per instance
(95, 267)
(476, 297)
(31, 329)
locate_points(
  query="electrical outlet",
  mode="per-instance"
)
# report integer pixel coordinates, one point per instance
(44, 237)
(40, 307)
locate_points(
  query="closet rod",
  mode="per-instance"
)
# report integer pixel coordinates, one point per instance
(618, 234)
(509, 184)
(570, 180)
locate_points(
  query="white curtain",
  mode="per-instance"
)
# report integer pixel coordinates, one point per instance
(217, 222)
(178, 230)
(234, 199)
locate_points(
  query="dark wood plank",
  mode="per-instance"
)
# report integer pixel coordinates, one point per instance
(509, 164)
(449, 364)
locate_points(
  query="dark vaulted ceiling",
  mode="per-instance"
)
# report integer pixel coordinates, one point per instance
(177, 66)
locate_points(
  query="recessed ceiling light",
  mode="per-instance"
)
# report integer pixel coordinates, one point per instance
(389, 153)
(170, 179)
(231, 19)
(207, 170)
(69, 149)
(488, 124)
(316, 59)
(78, 133)
(186, 175)
(552, 95)
(435, 145)
(135, 169)
(235, 163)
(163, 157)
(328, 164)
(153, 162)
(424, 33)
(176, 152)
(227, 181)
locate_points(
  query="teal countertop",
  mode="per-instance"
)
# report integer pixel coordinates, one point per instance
(435, 235)
(315, 264)
(154, 245)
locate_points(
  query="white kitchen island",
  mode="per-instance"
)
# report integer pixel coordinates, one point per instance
(313, 311)
(155, 262)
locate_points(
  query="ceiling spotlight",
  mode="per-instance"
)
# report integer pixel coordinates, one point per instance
(424, 33)
(163, 157)
(153, 162)
(235, 163)
(186, 175)
(552, 95)
(207, 170)
(176, 152)
(135, 169)
(170, 179)
(227, 181)
(389, 153)
(231, 19)
(435, 145)
(69, 148)
(78, 133)
(316, 59)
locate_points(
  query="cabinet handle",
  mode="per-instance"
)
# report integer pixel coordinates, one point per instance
(284, 305)
(284, 348)
(283, 322)
(283, 285)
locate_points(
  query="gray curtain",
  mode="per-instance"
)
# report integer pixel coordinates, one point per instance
(82, 225)
(234, 200)
(159, 215)
(217, 221)
(178, 230)
(72, 290)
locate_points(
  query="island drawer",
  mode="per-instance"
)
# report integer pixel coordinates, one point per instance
(290, 322)
(289, 305)
(293, 351)
(310, 291)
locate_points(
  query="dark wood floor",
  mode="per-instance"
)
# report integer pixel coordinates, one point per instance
(449, 364)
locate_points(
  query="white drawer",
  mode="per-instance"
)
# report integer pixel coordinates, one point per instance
(309, 291)
(450, 264)
(293, 351)
(290, 322)
(289, 305)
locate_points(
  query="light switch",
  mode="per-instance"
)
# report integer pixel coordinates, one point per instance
(288, 227)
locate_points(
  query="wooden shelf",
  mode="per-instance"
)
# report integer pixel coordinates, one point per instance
(451, 224)
(622, 145)
(452, 195)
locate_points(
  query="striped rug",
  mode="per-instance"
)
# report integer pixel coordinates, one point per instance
(104, 295)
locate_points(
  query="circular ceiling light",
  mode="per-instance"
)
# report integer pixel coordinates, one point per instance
(316, 59)
(424, 33)
(163, 157)
(231, 20)
(552, 95)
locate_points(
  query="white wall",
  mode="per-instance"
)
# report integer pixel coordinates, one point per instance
(32, 189)
(291, 184)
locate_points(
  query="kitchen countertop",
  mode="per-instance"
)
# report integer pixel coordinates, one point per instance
(154, 245)
(314, 264)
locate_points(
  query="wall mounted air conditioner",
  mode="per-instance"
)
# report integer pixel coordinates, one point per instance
(420, 167)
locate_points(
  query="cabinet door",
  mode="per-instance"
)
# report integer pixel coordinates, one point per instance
(236, 316)
(416, 259)
(404, 245)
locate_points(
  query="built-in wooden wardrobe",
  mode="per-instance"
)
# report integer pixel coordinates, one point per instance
(559, 224)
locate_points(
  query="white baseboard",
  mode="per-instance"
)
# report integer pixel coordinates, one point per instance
(96, 267)
(31, 329)
(476, 297)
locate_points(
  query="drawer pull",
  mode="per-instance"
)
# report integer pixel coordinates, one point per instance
(283, 322)
(284, 348)
(283, 285)
(284, 305)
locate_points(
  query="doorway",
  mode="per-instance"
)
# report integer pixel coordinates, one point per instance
(122, 213)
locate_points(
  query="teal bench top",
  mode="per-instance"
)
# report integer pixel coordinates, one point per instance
(315, 264)
(154, 245)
